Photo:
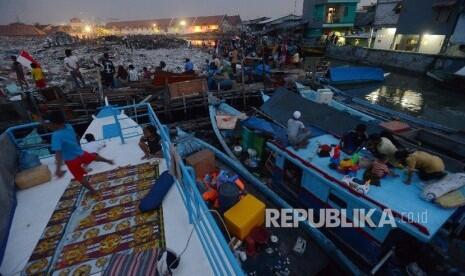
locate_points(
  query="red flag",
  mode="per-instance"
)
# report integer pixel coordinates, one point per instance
(26, 59)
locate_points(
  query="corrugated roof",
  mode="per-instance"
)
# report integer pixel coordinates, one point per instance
(165, 22)
(161, 23)
(20, 29)
(208, 20)
(234, 20)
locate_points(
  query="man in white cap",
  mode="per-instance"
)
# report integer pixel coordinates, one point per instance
(297, 133)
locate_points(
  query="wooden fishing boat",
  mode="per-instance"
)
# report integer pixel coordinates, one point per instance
(314, 185)
(271, 258)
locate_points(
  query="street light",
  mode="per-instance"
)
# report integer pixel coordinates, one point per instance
(182, 23)
(87, 28)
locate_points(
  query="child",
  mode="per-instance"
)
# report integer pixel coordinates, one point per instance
(38, 76)
(92, 145)
(378, 170)
(149, 142)
(67, 150)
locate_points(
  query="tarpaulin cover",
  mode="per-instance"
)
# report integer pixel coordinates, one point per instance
(266, 127)
(283, 103)
(355, 74)
(8, 168)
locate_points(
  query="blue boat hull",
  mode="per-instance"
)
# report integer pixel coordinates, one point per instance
(353, 75)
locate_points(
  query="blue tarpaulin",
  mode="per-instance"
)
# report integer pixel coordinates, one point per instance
(342, 75)
(266, 127)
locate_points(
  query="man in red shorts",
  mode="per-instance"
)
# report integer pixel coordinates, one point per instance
(67, 149)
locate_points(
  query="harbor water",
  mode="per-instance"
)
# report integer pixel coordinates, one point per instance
(416, 95)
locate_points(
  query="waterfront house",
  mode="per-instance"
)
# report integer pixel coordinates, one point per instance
(385, 23)
(426, 26)
(328, 17)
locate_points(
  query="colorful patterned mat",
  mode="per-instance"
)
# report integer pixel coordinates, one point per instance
(85, 231)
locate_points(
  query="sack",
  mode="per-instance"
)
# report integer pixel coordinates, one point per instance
(28, 160)
(33, 177)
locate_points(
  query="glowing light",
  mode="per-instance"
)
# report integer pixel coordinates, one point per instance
(154, 25)
(391, 30)
(182, 23)
(88, 29)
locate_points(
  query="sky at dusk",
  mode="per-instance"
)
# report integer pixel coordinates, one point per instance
(60, 11)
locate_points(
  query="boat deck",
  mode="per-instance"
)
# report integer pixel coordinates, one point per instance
(393, 193)
(36, 205)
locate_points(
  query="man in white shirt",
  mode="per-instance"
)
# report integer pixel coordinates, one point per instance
(384, 146)
(72, 66)
(133, 75)
(297, 133)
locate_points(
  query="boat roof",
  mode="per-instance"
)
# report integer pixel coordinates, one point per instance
(327, 125)
(393, 194)
(284, 102)
(36, 205)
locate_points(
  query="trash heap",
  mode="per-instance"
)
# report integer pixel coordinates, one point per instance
(140, 51)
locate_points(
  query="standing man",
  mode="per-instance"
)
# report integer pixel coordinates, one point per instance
(188, 66)
(234, 59)
(108, 70)
(18, 68)
(72, 66)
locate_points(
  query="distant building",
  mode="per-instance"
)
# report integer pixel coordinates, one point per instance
(281, 24)
(254, 25)
(185, 25)
(327, 17)
(20, 29)
(76, 24)
(426, 26)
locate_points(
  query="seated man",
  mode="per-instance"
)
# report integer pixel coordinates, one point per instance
(428, 166)
(354, 139)
(297, 133)
(383, 146)
(67, 150)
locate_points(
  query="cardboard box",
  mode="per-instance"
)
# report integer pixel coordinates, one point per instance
(203, 162)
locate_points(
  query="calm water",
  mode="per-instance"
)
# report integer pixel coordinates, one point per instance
(418, 96)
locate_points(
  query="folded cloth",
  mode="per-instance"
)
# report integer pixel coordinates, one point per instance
(154, 198)
(140, 263)
(450, 182)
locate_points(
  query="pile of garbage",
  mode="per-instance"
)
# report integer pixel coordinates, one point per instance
(140, 51)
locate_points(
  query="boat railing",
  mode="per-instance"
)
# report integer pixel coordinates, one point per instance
(216, 247)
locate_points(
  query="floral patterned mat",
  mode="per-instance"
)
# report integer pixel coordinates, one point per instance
(85, 231)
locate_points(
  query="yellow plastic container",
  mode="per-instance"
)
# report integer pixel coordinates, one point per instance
(245, 216)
